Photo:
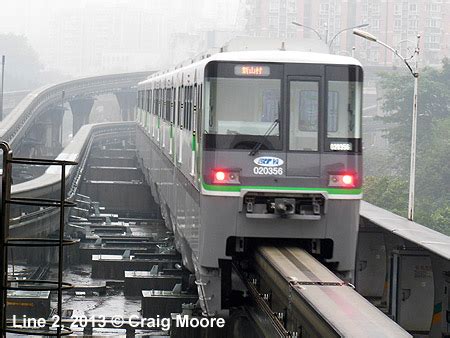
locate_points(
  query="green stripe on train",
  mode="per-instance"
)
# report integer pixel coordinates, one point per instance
(234, 188)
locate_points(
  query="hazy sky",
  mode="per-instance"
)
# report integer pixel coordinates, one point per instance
(40, 20)
(29, 16)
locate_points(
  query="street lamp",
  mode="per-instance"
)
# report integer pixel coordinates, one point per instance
(326, 31)
(345, 29)
(415, 73)
(301, 25)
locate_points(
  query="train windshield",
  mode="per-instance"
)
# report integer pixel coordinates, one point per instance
(244, 102)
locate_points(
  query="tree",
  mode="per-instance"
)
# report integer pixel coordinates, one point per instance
(22, 63)
(433, 105)
(388, 192)
(433, 147)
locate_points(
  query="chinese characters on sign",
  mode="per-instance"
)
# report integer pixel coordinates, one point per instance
(251, 70)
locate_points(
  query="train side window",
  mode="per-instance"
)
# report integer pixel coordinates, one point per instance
(167, 110)
(161, 102)
(151, 101)
(189, 117)
(195, 109)
(186, 107)
(144, 100)
(172, 106)
(176, 108)
(165, 92)
(158, 93)
(191, 120)
(155, 101)
(163, 110)
(168, 94)
(199, 110)
(167, 105)
(190, 108)
(147, 108)
(185, 110)
(194, 106)
(180, 106)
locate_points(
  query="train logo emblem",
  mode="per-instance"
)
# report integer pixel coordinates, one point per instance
(268, 161)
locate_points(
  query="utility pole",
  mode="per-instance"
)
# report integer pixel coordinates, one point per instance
(412, 173)
(414, 69)
(1, 92)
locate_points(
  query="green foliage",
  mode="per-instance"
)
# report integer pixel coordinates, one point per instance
(440, 219)
(388, 192)
(433, 104)
(432, 201)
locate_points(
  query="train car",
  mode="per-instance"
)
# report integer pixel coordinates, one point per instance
(247, 146)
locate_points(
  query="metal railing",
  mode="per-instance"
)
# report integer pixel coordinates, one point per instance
(7, 242)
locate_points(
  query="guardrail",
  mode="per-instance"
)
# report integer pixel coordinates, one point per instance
(404, 267)
(20, 119)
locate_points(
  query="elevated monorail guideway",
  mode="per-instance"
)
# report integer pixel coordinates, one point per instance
(301, 297)
(42, 220)
(16, 124)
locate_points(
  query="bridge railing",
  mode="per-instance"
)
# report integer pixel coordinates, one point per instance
(19, 120)
(404, 267)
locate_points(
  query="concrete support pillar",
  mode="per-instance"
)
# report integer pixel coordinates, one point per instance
(44, 138)
(81, 109)
(127, 102)
(55, 117)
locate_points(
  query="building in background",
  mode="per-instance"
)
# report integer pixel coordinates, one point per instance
(105, 39)
(118, 37)
(395, 22)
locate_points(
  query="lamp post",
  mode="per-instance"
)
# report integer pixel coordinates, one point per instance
(326, 32)
(301, 25)
(1, 92)
(415, 73)
(345, 29)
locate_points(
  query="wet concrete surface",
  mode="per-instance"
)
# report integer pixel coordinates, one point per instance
(104, 297)
(111, 304)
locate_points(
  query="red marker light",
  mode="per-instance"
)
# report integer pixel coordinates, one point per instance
(347, 179)
(220, 175)
(342, 181)
(225, 176)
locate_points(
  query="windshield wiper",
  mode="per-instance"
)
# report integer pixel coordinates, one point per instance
(259, 144)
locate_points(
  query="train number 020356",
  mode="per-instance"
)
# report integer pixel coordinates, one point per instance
(267, 171)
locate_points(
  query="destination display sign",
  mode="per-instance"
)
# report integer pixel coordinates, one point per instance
(251, 70)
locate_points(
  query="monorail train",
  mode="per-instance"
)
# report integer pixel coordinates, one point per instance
(248, 146)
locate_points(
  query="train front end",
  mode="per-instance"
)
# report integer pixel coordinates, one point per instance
(282, 155)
